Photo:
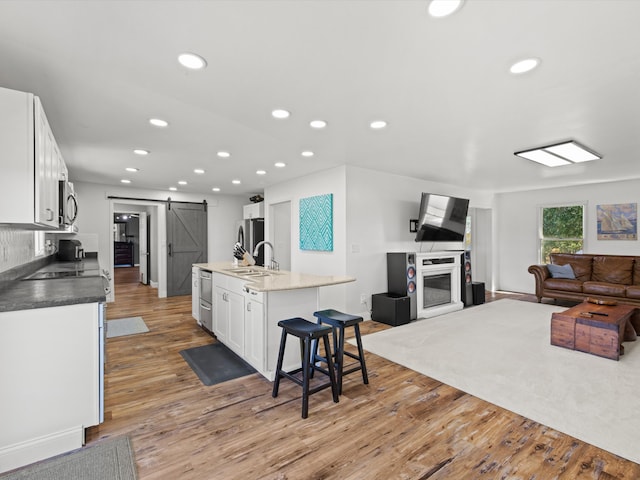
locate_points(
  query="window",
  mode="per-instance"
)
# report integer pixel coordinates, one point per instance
(561, 230)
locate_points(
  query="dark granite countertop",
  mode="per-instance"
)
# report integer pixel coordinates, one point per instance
(20, 294)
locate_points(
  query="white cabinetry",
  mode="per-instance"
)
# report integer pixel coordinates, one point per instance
(50, 366)
(228, 318)
(253, 210)
(235, 312)
(254, 320)
(30, 163)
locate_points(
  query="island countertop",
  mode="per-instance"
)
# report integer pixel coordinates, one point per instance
(261, 279)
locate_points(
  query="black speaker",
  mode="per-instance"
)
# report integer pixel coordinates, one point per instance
(391, 309)
(478, 292)
(466, 292)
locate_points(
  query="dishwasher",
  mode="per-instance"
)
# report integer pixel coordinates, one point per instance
(206, 314)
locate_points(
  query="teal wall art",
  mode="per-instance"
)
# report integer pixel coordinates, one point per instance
(316, 223)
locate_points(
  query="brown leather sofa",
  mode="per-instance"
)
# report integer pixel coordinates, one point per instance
(606, 277)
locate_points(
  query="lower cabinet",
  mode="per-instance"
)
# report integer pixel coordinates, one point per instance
(235, 312)
(221, 315)
(51, 372)
(254, 320)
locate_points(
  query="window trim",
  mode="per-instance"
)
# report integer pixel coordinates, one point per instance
(584, 204)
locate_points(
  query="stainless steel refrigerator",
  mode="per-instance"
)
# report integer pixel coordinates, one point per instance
(250, 233)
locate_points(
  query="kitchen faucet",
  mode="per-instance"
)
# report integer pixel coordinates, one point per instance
(273, 265)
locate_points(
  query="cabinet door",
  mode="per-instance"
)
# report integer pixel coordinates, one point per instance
(46, 170)
(221, 315)
(254, 334)
(235, 304)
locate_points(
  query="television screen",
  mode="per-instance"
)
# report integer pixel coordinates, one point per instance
(442, 218)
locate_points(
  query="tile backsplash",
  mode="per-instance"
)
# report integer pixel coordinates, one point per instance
(16, 247)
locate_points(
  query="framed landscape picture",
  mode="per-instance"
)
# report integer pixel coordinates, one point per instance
(618, 221)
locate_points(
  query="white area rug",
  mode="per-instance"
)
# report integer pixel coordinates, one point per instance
(501, 352)
(126, 326)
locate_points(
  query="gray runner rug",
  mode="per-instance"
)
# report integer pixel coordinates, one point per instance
(108, 460)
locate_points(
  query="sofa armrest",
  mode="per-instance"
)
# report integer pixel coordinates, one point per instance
(540, 273)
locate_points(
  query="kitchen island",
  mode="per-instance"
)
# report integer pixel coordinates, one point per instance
(248, 302)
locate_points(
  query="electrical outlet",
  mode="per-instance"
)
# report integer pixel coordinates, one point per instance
(363, 299)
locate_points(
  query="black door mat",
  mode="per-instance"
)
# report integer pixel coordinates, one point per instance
(216, 363)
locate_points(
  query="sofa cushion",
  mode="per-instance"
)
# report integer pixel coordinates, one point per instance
(612, 269)
(633, 291)
(580, 263)
(563, 284)
(603, 288)
(561, 271)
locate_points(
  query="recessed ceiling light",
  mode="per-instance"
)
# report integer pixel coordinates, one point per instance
(378, 124)
(132, 169)
(261, 172)
(192, 61)
(141, 151)
(158, 122)
(317, 123)
(279, 164)
(279, 113)
(124, 180)
(182, 182)
(236, 182)
(216, 189)
(224, 154)
(307, 153)
(442, 8)
(198, 171)
(524, 66)
(173, 189)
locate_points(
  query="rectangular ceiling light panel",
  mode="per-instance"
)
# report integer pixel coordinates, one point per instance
(559, 154)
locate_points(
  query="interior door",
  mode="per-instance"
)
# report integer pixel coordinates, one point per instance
(186, 244)
(144, 248)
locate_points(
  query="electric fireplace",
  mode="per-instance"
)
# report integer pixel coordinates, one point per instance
(438, 283)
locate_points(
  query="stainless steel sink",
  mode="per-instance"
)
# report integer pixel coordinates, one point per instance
(252, 272)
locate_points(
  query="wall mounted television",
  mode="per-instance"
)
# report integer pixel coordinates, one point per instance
(442, 218)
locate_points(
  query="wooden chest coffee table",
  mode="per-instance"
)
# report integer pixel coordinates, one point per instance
(596, 329)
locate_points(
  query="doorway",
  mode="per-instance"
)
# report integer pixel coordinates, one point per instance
(145, 236)
(280, 233)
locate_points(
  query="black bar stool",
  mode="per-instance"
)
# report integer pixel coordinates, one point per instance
(339, 321)
(307, 332)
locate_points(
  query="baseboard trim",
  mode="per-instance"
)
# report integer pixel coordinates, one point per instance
(39, 448)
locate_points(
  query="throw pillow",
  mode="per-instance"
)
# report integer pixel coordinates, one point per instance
(561, 271)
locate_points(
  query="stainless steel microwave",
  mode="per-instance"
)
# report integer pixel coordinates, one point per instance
(67, 204)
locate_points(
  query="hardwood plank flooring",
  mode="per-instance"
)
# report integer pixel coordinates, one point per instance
(402, 425)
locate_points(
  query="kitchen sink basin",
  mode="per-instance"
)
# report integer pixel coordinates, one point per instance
(260, 274)
(252, 272)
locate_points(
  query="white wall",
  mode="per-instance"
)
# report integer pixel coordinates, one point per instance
(371, 217)
(379, 207)
(517, 224)
(312, 262)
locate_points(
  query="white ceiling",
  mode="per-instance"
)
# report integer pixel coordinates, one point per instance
(455, 114)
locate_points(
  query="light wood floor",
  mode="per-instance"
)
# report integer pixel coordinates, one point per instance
(402, 425)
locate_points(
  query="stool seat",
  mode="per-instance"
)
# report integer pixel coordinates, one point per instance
(309, 334)
(339, 321)
(336, 318)
(304, 328)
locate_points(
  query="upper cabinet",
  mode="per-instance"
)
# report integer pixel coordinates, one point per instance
(31, 163)
(253, 210)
